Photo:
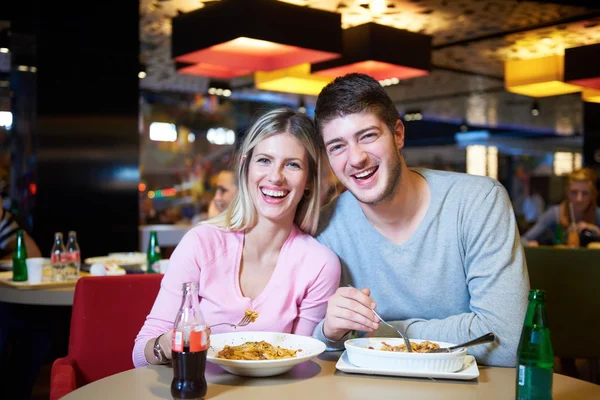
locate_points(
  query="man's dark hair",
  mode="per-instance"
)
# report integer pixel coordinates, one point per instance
(352, 94)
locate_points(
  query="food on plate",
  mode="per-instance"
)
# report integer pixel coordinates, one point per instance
(256, 351)
(252, 315)
(109, 269)
(423, 347)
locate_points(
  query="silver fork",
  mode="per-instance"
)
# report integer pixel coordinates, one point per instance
(488, 337)
(402, 334)
(243, 322)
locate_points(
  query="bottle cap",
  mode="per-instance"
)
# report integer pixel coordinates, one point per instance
(537, 294)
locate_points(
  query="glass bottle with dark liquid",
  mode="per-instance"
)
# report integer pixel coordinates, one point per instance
(190, 343)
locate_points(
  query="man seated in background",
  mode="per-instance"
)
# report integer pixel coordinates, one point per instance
(226, 188)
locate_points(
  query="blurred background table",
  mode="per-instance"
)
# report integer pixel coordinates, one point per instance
(47, 294)
(47, 297)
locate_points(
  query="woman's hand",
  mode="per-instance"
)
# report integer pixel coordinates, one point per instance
(581, 225)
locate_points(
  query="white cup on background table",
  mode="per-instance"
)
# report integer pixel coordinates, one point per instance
(35, 270)
(163, 264)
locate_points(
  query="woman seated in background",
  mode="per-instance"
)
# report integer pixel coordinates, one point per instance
(582, 194)
(259, 254)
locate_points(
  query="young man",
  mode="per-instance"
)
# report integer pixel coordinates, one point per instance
(438, 253)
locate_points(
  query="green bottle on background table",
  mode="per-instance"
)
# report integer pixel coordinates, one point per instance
(153, 254)
(535, 356)
(19, 259)
(559, 234)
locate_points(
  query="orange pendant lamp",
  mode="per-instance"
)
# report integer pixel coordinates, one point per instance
(380, 51)
(232, 38)
(296, 79)
(582, 67)
(590, 95)
(537, 77)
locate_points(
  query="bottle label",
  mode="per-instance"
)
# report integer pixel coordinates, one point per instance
(72, 256)
(198, 340)
(521, 375)
(177, 344)
(155, 267)
(58, 258)
(534, 381)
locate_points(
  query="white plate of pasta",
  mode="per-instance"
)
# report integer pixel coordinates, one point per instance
(261, 353)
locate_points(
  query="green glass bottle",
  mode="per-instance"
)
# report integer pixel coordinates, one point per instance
(153, 254)
(19, 259)
(559, 235)
(535, 356)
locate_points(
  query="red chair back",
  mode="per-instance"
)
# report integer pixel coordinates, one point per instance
(108, 312)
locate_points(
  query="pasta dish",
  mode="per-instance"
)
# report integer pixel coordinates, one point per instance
(256, 351)
(423, 347)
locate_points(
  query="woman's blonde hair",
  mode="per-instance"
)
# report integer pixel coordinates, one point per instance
(241, 213)
(589, 214)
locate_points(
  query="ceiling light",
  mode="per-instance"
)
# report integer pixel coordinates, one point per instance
(464, 126)
(220, 136)
(261, 35)
(582, 66)
(535, 108)
(378, 6)
(389, 81)
(414, 115)
(547, 40)
(537, 77)
(163, 132)
(219, 88)
(6, 119)
(590, 95)
(380, 51)
(297, 79)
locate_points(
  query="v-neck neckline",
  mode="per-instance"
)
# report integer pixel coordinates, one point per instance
(258, 299)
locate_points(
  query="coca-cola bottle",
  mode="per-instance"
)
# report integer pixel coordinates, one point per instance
(57, 257)
(73, 256)
(189, 346)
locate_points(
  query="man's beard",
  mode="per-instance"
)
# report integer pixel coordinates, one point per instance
(394, 169)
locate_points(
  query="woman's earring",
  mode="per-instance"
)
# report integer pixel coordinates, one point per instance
(307, 193)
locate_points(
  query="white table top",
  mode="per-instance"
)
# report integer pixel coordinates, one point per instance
(319, 379)
(46, 297)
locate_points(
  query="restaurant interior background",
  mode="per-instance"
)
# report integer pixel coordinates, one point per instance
(84, 90)
(107, 132)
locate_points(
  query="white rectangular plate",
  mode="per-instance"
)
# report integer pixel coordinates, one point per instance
(468, 371)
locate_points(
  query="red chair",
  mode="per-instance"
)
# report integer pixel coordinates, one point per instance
(108, 312)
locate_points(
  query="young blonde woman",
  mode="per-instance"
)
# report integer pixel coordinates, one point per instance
(259, 254)
(582, 193)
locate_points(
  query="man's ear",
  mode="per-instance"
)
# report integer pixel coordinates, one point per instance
(399, 134)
